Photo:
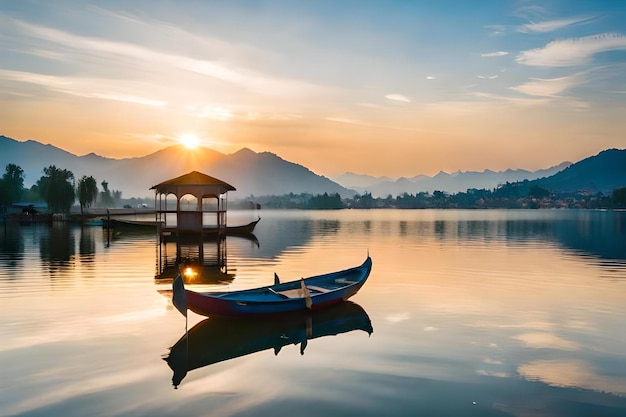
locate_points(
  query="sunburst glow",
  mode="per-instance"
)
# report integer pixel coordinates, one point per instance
(189, 140)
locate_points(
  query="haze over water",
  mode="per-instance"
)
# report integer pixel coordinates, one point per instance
(486, 313)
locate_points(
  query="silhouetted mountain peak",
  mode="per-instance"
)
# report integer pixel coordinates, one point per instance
(603, 172)
(245, 152)
(250, 172)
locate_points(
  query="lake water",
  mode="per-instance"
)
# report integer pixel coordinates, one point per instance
(474, 313)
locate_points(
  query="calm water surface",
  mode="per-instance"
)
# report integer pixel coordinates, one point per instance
(478, 313)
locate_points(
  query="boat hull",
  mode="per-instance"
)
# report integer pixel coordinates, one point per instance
(271, 299)
(153, 225)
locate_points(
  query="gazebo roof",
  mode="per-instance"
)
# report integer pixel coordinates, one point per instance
(194, 178)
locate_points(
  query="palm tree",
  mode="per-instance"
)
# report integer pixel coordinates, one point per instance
(87, 190)
(56, 189)
(13, 183)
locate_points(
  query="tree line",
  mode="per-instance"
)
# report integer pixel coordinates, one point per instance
(57, 187)
(518, 195)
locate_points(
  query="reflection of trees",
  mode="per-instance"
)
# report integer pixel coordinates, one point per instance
(57, 247)
(87, 244)
(11, 246)
(599, 233)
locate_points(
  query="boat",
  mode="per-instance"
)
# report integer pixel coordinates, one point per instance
(151, 224)
(219, 339)
(311, 293)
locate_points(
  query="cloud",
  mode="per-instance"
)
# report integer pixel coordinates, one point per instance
(430, 77)
(136, 55)
(496, 30)
(487, 77)
(571, 52)
(117, 90)
(398, 97)
(546, 87)
(552, 25)
(494, 54)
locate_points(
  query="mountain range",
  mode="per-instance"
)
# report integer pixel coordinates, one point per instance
(455, 182)
(249, 172)
(265, 173)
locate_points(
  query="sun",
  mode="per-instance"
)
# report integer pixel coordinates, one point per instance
(189, 141)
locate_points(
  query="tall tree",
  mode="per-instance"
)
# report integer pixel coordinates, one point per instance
(56, 188)
(12, 184)
(87, 190)
(105, 194)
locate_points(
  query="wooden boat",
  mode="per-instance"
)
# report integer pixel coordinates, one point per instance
(311, 293)
(219, 339)
(151, 224)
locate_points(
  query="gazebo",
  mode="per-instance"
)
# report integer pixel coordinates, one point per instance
(194, 202)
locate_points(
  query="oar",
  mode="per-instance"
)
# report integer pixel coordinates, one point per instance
(306, 294)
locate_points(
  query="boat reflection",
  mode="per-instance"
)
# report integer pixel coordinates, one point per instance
(218, 339)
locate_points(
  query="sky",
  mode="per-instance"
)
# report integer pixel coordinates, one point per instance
(386, 88)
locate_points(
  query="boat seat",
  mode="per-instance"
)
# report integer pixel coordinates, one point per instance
(344, 281)
(318, 289)
(295, 293)
(280, 294)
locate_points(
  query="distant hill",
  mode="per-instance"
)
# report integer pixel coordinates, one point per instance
(250, 172)
(352, 180)
(603, 172)
(452, 183)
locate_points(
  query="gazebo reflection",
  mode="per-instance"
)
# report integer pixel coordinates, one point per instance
(199, 261)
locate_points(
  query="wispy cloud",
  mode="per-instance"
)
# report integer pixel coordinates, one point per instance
(494, 54)
(496, 30)
(147, 57)
(487, 77)
(116, 90)
(398, 97)
(571, 52)
(430, 77)
(552, 25)
(531, 101)
(547, 87)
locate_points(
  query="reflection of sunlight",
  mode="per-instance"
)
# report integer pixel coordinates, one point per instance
(135, 316)
(576, 374)
(62, 392)
(190, 273)
(80, 329)
(232, 383)
(542, 340)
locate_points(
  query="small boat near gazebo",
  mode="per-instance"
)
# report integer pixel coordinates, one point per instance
(149, 224)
